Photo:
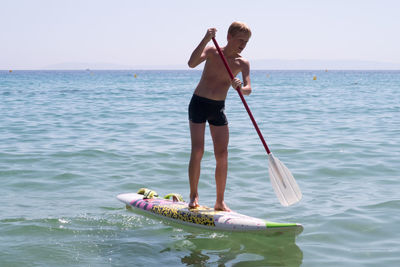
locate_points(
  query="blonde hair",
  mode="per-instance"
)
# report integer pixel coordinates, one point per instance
(238, 26)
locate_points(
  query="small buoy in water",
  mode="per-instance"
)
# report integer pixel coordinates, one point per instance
(326, 70)
(267, 75)
(314, 78)
(135, 75)
(10, 71)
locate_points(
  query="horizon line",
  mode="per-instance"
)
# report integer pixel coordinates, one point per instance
(166, 69)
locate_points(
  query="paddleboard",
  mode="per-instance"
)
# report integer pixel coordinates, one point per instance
(204, 217)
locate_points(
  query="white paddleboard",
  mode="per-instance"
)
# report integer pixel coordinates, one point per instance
(204, 217)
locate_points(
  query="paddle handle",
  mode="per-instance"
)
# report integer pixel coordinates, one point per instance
(242, 97)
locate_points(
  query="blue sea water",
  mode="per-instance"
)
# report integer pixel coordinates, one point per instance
(70, 141)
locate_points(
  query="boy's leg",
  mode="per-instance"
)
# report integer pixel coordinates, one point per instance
(197, 137)
(220, 136)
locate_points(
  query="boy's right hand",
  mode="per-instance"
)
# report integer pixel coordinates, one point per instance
(211, 32)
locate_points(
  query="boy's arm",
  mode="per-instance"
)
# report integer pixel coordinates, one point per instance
(246, 87)
(200, 53)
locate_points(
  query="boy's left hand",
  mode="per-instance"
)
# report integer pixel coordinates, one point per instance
(236, 83)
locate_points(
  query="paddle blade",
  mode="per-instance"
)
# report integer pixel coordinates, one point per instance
(283, 182)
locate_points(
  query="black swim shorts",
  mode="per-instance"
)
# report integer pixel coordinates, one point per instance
(202, 109)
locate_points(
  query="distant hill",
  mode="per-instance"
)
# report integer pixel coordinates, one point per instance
(322, 64)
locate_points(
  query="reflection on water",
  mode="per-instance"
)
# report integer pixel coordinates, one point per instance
(238, 249)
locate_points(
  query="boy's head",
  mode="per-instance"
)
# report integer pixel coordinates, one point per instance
(237, 27)
(238, 36)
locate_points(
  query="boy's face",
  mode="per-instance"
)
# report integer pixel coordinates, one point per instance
(239, 41)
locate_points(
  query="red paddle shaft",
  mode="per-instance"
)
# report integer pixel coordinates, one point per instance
(241, 97)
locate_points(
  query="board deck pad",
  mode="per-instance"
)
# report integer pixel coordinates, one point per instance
(204, 216)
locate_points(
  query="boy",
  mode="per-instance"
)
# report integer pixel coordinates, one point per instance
(208, 104)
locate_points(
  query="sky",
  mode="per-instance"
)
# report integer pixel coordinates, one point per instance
(43, 34)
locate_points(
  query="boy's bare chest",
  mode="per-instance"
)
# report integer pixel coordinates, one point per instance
(217, 66)
(234, 64)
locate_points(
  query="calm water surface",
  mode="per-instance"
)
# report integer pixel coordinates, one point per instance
(70, 141)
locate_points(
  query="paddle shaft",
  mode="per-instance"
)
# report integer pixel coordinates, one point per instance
(242, 97)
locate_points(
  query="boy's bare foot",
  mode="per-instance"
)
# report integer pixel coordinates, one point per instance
(221, 207)
(194, 202)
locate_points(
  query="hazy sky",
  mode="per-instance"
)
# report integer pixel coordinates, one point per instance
(38, 33)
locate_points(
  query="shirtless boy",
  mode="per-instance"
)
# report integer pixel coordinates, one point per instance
(208, 104)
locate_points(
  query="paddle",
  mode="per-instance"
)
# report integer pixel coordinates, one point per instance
(282, 180)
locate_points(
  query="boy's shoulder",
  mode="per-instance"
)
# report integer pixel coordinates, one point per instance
(243, 61)
(211, 49)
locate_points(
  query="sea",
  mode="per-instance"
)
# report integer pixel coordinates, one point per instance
(71, 141)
